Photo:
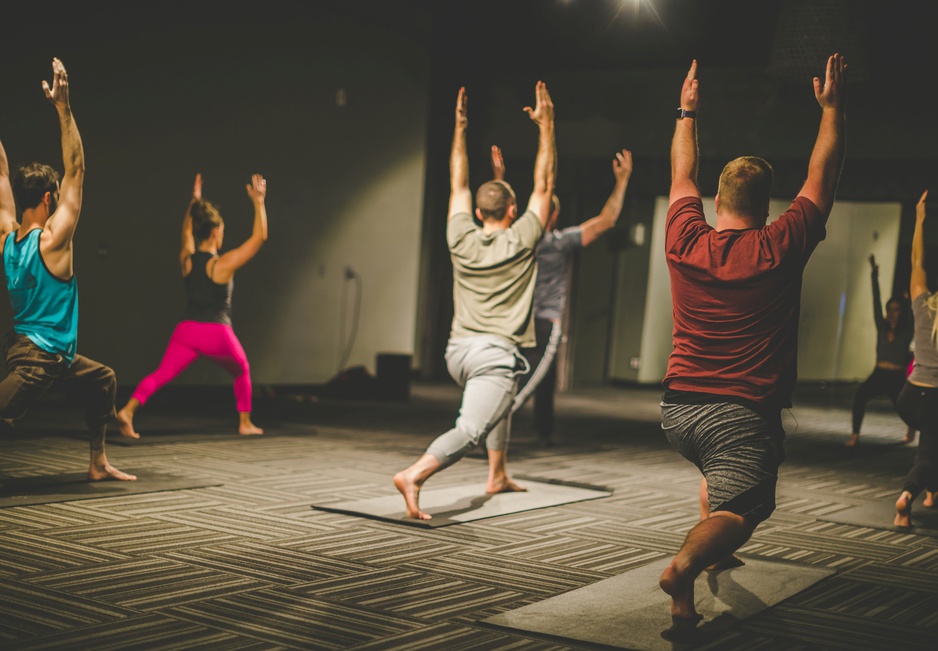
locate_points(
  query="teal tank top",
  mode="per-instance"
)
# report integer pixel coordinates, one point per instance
(45, 308)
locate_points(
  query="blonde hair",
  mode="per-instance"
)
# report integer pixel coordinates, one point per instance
(746, 186)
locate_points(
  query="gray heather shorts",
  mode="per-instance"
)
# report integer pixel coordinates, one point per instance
(736, 449)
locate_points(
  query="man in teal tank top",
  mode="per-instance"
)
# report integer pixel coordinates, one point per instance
(37, 262)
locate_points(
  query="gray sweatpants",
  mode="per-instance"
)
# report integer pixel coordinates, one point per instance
(487, 367)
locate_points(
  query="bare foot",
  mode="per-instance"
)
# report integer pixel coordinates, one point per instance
(681, 590)
(853, 441)
(931, 498)
(909, 436)
(410, 489)
(726, 564)
(106, 471)
(245, 426)
(125, 423)
(503, 485)
(904, 510)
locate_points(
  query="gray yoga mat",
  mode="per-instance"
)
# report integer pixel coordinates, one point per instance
(880, 515)
(49, 489)
(630, 611)
(467, 502)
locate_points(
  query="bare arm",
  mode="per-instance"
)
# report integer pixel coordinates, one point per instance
(877, 297)
(917, 282)
(61, 225)
(233, 260)
(187, 244)
(7, 205)
(590, 230)
(684, 154)
(827, 158)
(498, 164)
(460, 198)
(545, 164)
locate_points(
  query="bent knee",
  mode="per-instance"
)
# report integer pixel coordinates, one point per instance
(107, 377)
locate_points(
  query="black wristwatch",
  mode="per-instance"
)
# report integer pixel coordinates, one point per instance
(684, 113)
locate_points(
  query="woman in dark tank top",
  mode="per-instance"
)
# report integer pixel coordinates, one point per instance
(893, 338)
(205, 328)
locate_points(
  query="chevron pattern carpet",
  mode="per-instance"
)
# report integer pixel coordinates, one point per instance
(248, 564)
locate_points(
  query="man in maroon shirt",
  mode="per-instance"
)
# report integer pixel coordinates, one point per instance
(736, 294)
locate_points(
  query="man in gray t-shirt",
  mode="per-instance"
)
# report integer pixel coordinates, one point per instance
(493, 294)
(550, 291)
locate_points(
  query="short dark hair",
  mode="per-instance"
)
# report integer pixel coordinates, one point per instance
(205, 219)
(493, 199)
(31, 182)
(746, 186)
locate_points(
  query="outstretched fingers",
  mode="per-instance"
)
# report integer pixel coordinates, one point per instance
(622, 163)
(257, 188)
(689, 90)
(58, 92)
(543, 107)
(830, 92)
(462, 103)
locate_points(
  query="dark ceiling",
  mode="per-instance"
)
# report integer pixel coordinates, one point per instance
(889, 42)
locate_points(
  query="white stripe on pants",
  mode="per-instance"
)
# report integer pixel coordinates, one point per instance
(486, 367)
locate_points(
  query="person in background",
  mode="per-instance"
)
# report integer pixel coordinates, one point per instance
(205, 329)
(554, 253)
(918, 399)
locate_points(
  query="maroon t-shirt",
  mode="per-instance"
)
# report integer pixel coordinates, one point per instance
(736, 297)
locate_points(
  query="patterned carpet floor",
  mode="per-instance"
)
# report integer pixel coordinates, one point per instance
(248, 564)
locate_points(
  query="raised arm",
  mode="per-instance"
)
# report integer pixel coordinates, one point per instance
(877, 297)
(7, 205)
(61, 225)
(827, 158)
(684, 155)
(236, 258)
(187, 243)
(917, 282)
(460, 198)
(545, 164)
(498, 164)
(591, 229)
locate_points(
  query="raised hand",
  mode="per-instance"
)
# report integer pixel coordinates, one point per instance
(689, 96)
(622, 165)
(920, 207)
(873, 265)
(462, 102)
(543, 111)
(498, 163)
(58, 93)
(197, 188)
(257, 188)
(832, 94)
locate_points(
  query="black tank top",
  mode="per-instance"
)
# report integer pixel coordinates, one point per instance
(207, 301)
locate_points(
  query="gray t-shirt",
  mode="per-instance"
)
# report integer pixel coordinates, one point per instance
(926, 351)
(553, 254)
(493, 278)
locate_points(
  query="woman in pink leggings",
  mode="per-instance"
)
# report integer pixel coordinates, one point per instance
(205, 329)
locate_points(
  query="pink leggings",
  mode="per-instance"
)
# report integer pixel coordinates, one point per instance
(192, 339)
